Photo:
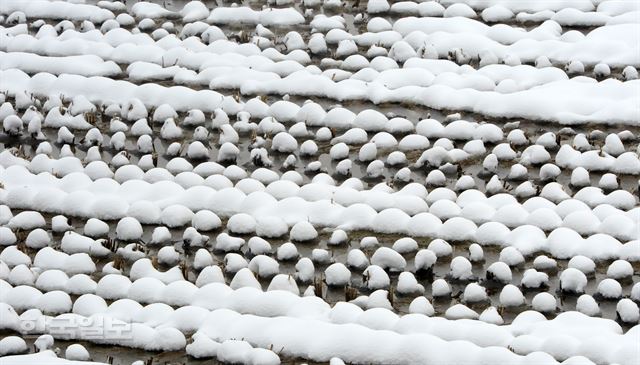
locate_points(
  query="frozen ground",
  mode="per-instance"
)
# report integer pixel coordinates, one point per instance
(317, 181)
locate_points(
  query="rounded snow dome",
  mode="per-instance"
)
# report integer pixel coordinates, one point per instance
(77, 352)
(440, 288)
(511, 296)
(205, 220)
(145, 211)
(512, 215)
(566, 207)
(440, 247)
(337, 274)
(609, 289)
(405, 245)
(241, 223)
(573, 280)
(474, 293)
(582, 263)
(491, 233)
(457, 229)
(499, 271)
(129, 229)
(271, 227)
(459, 10)
(38, 238)
(460, 268)
(582, 221)
(620, 269)
(303, 231)
(497, 13)
(95, 228)
(378, 24)
(544, 218)
(586, 304)
(27, 220)
(389, 259)
(628, 311)
(113, 286)
(544, 302)
(511, 256)
(54, 302)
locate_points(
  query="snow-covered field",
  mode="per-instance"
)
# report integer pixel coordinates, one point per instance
(324, 181)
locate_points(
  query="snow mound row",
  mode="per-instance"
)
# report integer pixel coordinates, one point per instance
(103, 90)
(44, 357)
(78, 65)
(133, 335)
(246, 15)
(529, 333)
(56, 10)
(531, 6)
(26, 191)
(411, 199)
(583, 100)
(626, 163)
